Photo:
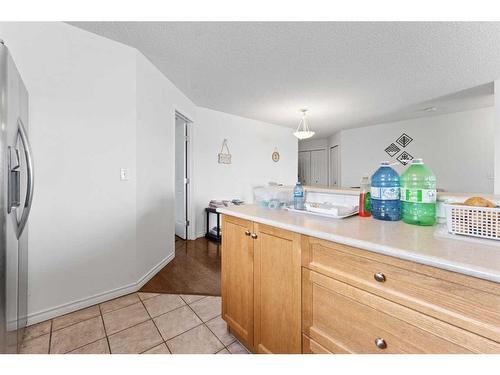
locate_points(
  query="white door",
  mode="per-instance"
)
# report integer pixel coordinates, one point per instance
(334, 166)
(318, 168)
(180, 178)
(304, 167)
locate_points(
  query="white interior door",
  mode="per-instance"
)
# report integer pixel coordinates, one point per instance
(318, 168)
(334, 166)
(180, 178)
(304, 167)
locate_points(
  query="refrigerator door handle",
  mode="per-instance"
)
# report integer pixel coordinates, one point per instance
(30, 178)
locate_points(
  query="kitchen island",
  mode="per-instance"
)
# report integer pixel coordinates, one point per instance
(297, 283)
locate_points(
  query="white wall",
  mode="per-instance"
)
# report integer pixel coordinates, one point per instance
(497, 137)
(95, 106)
(157, 101)
(334, 139)
(458, 147)
(251, 144)
(82, 130)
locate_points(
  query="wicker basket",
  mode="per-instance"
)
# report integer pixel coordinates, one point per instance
(473, 221)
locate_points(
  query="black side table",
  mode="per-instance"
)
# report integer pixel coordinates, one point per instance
(211, 210)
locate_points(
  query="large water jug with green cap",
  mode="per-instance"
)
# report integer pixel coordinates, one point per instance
(418, 194)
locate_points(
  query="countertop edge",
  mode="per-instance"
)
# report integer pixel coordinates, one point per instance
(369, 246)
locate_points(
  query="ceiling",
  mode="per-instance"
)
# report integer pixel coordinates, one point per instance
(348, 74)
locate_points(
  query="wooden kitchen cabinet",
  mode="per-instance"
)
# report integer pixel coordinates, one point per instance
(261, 286)
(237, 260)
(355, 301)
(283, 292)
(277, 285)
(345, 319)
(464, 301)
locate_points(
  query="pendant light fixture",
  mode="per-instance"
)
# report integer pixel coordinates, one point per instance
(303, 131)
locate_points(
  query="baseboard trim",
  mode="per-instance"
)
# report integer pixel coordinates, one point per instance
(69, 307)
(199, 235)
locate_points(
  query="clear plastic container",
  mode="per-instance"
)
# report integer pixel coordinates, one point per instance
(418, 194)
(385, 193)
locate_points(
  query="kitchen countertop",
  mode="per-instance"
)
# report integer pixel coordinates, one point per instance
(397, 239)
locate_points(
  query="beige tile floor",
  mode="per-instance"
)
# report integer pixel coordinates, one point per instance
(147, 323)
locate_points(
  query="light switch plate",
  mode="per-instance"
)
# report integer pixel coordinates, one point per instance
(124, 174)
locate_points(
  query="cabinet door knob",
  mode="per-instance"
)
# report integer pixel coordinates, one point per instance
(381, 344)
(247, 233)
(254, 236)
(379, 276)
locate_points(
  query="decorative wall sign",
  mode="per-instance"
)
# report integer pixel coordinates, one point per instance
(276, 156)
(404, 158)
(404, 140)
(392, 149)
(224, 158)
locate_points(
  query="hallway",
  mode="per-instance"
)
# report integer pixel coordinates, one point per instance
(194, 270)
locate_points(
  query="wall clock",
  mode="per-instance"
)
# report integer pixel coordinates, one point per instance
(276, 156)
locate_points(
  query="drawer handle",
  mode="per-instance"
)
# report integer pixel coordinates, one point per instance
(379, 276)
(254, 236)
(247, 233)
(381, 344)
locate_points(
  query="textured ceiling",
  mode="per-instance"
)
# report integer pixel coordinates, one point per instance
(348, 74)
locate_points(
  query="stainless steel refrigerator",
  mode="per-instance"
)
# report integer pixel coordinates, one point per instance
(16, 194)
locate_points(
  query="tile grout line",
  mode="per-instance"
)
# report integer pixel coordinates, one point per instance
(204, 323)
(154, 323)
(173, 337)
(105, 332)
(225, 346)
(104, 326)
(121, 330)
(177, 308)
(50, 335)
(92, 342)
(120, 308)
(185, 304)
(84, 320)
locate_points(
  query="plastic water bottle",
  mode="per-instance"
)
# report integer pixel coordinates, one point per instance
(364, 197)
(418, 194)
(298, 196)
(385, 203)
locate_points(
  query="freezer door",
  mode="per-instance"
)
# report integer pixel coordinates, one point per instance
(15, 156)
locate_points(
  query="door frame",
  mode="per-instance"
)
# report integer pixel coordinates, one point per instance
(330, 165)
(190, 217)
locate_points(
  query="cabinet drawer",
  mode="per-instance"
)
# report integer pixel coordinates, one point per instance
(312, 347)
(342, 318)
(466, 302)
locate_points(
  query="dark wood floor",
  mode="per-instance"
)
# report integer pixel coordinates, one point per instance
(194, 270)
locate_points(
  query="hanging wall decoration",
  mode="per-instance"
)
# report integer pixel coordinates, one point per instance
(276, 155)
(224, 157)
(404, 158)
(404, 140)
(393, 149)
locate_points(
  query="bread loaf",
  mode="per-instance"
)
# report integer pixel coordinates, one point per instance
(479, 202)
